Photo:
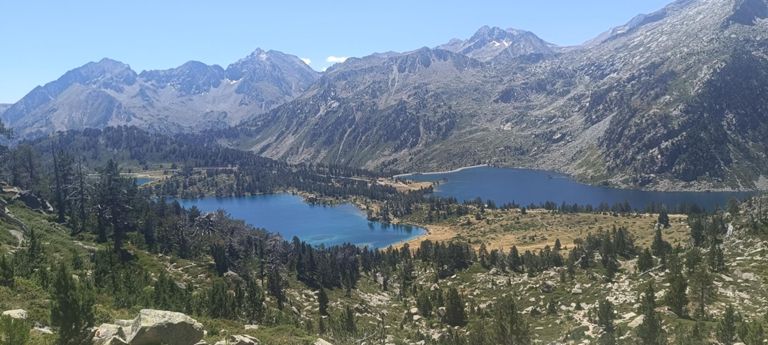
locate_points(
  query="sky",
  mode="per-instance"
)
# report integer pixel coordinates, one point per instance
(40, 40)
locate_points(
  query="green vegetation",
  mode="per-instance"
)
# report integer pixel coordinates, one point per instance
(120, 248)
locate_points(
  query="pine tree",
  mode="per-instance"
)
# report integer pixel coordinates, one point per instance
(112, 205)
(349, 321)
(220, 304)
(605, 321)
(701, 290)
(254, 301)
(726, 328)
(6, 272)
(697, 231)
(716, 258)
(72, 308)
(454, 309)
(676, 298)
(659, 247)
(424, 303)
(645, 261)
(650, 331)
(406, 277)
(692, 259)
(275, 286)
(663, 219)
(322, 300)
(508, 326)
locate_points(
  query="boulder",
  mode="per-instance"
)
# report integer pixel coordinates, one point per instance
(239, 340)
(152, 327)
(42, 330)
(547, 287)
(636, 322)
(109, 334)
(16, 314)
(113, 341)
(321, 341)
(748, 276)
(34, 202)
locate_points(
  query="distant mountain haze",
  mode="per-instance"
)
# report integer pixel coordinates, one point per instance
(675, 99)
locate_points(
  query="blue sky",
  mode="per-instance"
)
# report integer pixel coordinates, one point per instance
(40, 40)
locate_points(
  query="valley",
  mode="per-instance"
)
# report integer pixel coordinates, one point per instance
(497, 189)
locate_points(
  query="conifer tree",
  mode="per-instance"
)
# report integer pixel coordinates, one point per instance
(6, 272)
(254, 301)
(645, 261)
(726, 328)
(663, 219)
(349, 321)
(72, 308)
(701, 282)
(454, 309)
(650, 331)
(605, 321)
(424, 303)
(508, 326)
(275, 285)
(322, 301)
(676, 298)
(659, 247)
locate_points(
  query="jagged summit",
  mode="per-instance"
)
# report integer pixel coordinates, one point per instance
(490, 42)
(192, 96)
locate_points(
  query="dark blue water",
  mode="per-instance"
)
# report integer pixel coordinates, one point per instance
(290, 216)
(524, 187)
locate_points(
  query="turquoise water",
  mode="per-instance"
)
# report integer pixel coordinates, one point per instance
(523, 186)
(290, 216)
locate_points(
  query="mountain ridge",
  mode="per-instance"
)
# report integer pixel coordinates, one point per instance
(623, 112)
(650, 104)
(191, 97)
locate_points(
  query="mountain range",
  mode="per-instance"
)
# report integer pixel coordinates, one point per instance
(675, 99)
(191, 97)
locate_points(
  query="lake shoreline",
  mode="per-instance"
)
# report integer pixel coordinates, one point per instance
(315, 221)
(441, 172)
(662, 185)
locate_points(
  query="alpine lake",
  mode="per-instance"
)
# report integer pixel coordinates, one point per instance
(289, 215)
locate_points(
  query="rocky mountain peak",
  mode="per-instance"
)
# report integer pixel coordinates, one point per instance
(490, 42)
(107, 72)
(191, 78)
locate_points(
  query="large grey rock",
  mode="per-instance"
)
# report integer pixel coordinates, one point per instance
(321, 341)
(152, 327)
(34, 201)
(636, 322)
(239, 340)
(17, 314)
(109, 334)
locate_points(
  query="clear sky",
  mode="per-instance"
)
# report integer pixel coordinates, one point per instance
(40, 40)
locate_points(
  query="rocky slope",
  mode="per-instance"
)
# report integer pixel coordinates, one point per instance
(190, 97)
(492, 43)
(672, 100)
